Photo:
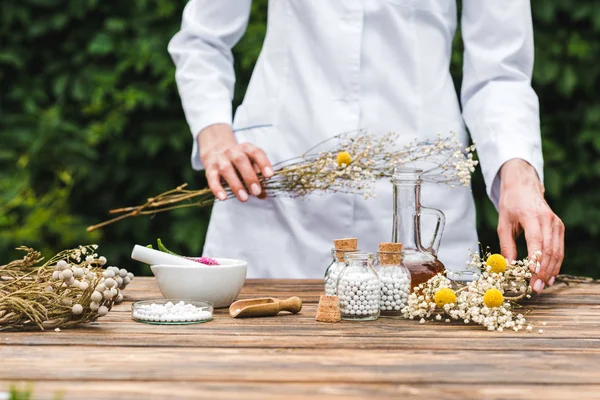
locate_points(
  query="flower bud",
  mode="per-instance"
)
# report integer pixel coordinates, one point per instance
(84, 286)
(69, 281)
(61, 265)
(66, 302)
(126, 281)
(101, 288)
(119, 281)
(94, 306)
(102, 311)
(102, 260)
(119, 298)
(56, 275)
(110, 283)
(122, 272)
(78, 273)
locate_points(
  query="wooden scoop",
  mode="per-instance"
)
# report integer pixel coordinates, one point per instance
(266, 307)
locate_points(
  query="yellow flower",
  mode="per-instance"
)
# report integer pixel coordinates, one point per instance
(493, 298)
(444, 296)
(497, 263)
(344, 158)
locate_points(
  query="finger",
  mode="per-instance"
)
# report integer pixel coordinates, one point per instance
(508, 247)
(246, 171)
(214, 182)
(534, 239)
(559, 248)
(546, 222)
(259, 157)
(228, 172)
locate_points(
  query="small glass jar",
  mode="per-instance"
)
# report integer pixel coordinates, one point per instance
(333, 271)
(358, 288)
(394, 281)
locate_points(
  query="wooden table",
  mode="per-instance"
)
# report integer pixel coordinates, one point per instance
(295, 357)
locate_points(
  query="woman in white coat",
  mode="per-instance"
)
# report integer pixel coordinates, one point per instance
(334, 66)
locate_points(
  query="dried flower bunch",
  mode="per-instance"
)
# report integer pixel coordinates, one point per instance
(347, 163)
(488, 300)
(69, 289)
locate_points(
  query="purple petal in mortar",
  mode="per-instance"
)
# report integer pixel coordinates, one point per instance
(204, 260)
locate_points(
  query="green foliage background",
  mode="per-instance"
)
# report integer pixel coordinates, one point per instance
(90, 120)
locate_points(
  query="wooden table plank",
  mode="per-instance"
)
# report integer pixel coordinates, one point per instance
(109, 362)
(111, 390)
(295, 355)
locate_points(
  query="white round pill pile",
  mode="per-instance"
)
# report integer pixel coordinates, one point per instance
(359, 296)
(169, 312)
(395, 288)
(331, 280)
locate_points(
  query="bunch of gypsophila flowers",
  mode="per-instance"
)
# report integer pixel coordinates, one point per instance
(347, 163)
(488, 300)
(69, 289)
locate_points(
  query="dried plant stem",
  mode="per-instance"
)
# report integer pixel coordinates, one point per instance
(368, 158)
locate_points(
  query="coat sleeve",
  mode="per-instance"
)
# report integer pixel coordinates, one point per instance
(201, 51)
(500, 107)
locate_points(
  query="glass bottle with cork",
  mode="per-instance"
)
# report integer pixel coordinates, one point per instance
(358, 288)
(394, 279)
(341, 248)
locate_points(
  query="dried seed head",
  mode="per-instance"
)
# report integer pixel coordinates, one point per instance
(108, 295)
(96, 297)
(77, 309)
(66, 274)
(109, 273)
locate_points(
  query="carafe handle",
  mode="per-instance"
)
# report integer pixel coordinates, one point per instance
(434, 245)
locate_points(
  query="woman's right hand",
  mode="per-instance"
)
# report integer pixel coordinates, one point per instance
(225, 159)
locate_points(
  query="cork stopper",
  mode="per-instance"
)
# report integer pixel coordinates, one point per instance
(328, 309)
(390, 253)
(344, 245)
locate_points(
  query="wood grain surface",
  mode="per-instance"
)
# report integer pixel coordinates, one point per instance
(296, 357)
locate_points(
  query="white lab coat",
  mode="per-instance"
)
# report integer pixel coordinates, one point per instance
(334, 66)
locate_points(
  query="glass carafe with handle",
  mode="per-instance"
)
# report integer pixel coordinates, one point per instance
(421, 260)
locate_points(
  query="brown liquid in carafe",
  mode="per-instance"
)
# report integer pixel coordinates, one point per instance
(422, 271)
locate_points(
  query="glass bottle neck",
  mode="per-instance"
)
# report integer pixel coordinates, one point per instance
(407, 191)
(339, 256)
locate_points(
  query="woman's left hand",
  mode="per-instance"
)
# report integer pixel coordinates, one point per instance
(522, 207)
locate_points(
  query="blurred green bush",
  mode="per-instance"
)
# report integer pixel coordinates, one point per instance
(90, 120)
